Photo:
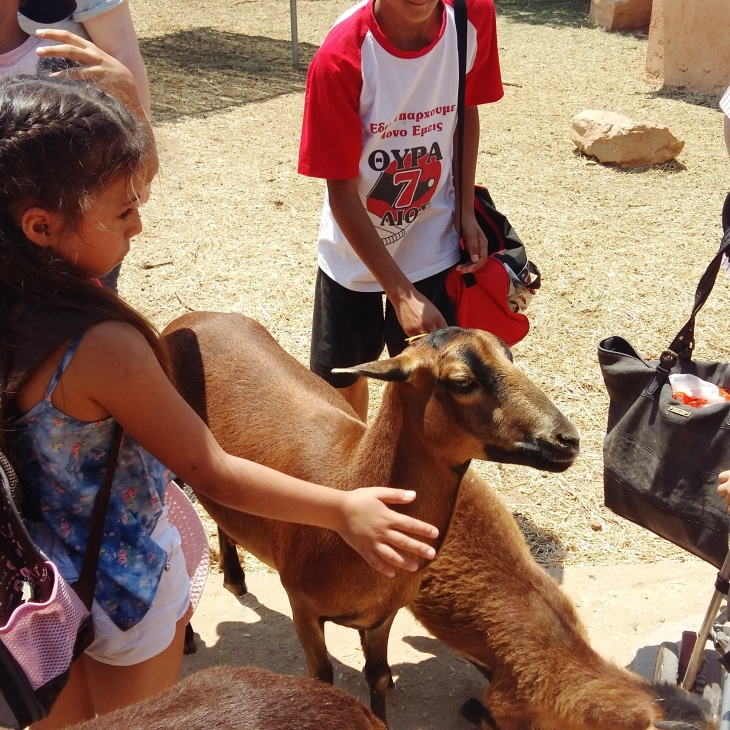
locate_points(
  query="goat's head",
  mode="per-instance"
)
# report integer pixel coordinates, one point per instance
(475, 403)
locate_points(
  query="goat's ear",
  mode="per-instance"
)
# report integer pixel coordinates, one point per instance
(674, 725)
(396, 369)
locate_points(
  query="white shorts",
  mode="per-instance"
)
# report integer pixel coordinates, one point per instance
(155, 632)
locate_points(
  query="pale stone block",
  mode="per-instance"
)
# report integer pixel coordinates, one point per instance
(620, 14)
(688, 45)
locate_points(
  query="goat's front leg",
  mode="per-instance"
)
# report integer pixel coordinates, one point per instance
(377, 669)
(310, 630)
(234, 578)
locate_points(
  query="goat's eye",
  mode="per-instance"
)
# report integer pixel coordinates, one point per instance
(460, 385)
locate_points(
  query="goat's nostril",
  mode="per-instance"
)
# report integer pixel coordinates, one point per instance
(568, 440)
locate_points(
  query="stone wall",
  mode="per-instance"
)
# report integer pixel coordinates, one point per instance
(688, 44)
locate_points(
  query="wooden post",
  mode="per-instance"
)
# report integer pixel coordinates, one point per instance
(294, 36)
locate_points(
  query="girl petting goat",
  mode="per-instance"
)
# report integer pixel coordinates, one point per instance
(73, 162)
(450, 397)
(486, 598)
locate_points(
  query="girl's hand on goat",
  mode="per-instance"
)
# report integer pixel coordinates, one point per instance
(377, 532)
(723, 488)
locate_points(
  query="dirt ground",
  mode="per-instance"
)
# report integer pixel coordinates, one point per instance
(232, 227)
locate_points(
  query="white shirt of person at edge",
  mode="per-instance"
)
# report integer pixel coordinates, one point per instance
(23, 59)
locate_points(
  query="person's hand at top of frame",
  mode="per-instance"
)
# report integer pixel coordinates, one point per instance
(723, 488)
(475, 241)
(95, 66)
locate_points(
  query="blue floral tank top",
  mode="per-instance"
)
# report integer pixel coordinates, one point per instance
(61, 463)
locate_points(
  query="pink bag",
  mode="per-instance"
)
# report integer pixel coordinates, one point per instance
(44, 623)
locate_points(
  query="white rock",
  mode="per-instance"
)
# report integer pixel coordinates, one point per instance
(615, 138)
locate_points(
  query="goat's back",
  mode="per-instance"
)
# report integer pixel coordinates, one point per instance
(243, 698)
(228, 368)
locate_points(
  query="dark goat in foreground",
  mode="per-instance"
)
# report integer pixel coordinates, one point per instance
(242, 698)
(486, 598)
(450, 397)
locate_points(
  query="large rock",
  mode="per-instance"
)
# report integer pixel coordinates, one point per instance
(615, 138)
(620, 14)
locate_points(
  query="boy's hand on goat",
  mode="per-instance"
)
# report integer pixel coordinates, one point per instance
(416, 314)
(723, 488)
(376, 531)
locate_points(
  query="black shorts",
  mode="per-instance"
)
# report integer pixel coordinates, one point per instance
(351, 327)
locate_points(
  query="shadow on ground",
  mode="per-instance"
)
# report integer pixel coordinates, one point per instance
(203, 71)
(696, 98)
(427, 694)
(545, 546)
(572, 13)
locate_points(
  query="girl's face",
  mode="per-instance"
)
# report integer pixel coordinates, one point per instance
(101, 239)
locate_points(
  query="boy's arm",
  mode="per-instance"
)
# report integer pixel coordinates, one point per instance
(416, 314)
(471, 233)
(727, 133)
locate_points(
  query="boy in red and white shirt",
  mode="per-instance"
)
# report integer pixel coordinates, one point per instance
(379, 123)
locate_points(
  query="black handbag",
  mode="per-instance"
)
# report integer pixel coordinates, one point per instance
(661, 457)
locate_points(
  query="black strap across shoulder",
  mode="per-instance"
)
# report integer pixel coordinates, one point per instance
(85, 586)
(461, 28)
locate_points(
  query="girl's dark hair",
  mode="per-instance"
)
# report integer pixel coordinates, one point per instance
(60, 142)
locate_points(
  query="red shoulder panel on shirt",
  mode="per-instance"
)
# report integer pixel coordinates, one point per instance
(484, 80)
(331, 129)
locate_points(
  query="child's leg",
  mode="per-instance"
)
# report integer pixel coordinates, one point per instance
(112, 687)
(73, 704)
(358, 396)
(95, 688)
(347, 330)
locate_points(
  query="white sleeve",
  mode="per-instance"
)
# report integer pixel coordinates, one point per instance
(88, 9)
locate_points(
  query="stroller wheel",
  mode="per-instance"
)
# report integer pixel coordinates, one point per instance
(666, 669)
(689, 639)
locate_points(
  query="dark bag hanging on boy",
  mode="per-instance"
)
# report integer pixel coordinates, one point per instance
(481, 298)
(661, 457)
(44, 623)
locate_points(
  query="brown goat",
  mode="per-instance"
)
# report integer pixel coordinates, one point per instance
(242, 698)
(486, 598)
(451, 397)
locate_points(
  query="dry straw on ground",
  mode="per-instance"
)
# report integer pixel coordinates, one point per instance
(231, 226)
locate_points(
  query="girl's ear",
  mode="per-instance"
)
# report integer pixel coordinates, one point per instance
(40, 226)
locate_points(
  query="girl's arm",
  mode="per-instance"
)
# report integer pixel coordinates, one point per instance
(471, 233)
(113, 32)
(115, 371)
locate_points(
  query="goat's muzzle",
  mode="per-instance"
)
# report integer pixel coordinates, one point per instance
(555, 453)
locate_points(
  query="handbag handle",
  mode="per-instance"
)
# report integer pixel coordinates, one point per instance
(461, 29)
(85, 586)
(684, 343)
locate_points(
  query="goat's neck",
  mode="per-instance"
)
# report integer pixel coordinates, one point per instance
(394, 452)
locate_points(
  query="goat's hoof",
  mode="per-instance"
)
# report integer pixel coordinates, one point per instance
(238, 589)
(476, 713)
(189, 647)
